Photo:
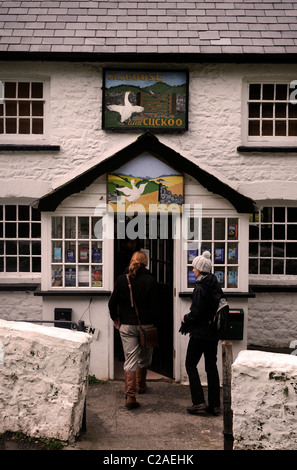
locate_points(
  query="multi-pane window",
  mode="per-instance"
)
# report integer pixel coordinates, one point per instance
(20, 244)
(21, 108)
(219, 236)
(76, 251)
(271, 113)
(273, 241)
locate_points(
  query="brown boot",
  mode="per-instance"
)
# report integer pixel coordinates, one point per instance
(141, 379)
(130, 389)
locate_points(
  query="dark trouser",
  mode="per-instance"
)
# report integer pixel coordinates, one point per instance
(196, 348)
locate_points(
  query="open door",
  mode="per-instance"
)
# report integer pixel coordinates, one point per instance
(159, 248)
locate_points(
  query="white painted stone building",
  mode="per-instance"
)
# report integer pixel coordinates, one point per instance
(239, 151)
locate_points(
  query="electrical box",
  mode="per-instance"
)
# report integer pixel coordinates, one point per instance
(63, 314)
(235, 327)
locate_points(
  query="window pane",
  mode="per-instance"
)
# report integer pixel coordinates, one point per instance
(10, 90)
(280, 128)
(57, 227)
(292, 214)
(253, 249)
(292, 232)
(254, 232)
(219, 229)
(279, 232)
(291, 267)
(254, 110)
(281, 92)
(279, 214)
(24, 108)
(268, 92)
(278, 266)
(206, 229)
(292, 128)
(11, 126)
(24, 230)
(24, 248)
(37, 108)
(11, 264)
(267, 127)
(267, 110)
(253, 266)
(11, 108)
(265, 249)
(35, 230)
(280, 110)
(36, 248)
(11, 248)
(37, 90)
(36, 265)
(265, 266)
(255, 92)
(70, 227)
(292, 110)
(10, 230)
(254, 127)
(97, 227)
(24, 264)
(37, 126)
(278, 250)
(10, 212)
(24, 90)
(24, 213)
(24, 126)
(266, 232)
(291, 250)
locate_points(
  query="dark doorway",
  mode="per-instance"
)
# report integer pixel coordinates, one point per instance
(157, 240)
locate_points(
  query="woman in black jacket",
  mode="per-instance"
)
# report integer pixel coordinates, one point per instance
(203, 338)
(137, 359)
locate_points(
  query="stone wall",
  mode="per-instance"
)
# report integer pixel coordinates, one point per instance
(43, 380)
(264, 401)
(271, 312)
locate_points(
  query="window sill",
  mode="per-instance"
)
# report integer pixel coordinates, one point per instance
(18, 287)
(28, 147)
(270, 149)
(72, 293)
(273, 288)
(227, 294)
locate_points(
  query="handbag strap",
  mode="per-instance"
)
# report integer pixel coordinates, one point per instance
(133, 304)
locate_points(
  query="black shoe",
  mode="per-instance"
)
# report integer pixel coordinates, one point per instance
(215, 411)
(195, 409)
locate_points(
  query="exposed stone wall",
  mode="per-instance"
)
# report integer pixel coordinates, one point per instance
(20, 305)
(43, 380)
(272, 319)
(264, 401)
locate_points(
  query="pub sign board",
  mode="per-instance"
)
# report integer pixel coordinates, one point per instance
(145, 99)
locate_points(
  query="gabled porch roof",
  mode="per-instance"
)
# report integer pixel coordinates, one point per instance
(147, 142)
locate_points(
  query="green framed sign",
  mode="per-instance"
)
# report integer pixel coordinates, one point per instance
(145, 99)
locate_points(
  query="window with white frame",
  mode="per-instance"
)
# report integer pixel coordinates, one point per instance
(272, 115)
(273, 241)
(219, 236)
(76, 252)
(22, 108)
(20, 239)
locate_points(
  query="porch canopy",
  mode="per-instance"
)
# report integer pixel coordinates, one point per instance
(147, 142)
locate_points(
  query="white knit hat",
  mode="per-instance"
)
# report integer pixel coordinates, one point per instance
(202, 263)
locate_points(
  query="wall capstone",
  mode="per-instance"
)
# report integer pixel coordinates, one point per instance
(264, 401)
(43, 380)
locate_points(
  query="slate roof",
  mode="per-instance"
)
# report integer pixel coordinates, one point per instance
(148, 26)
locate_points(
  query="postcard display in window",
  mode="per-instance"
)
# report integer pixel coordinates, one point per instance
(76, 252)
(219, 236)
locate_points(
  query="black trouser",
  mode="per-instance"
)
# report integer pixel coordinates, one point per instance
(196, 348)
